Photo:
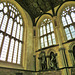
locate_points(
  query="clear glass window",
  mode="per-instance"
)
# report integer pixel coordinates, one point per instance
(47, 36)
(68, 20)
(11, 33)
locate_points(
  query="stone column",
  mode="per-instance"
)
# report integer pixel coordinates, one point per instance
(47, 62)
(61, 48)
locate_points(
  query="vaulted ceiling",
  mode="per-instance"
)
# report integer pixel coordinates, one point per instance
(36, 8)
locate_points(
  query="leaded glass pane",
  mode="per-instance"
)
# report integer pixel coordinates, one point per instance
(73, 34)
(64, 21)
(48, 28)
(72, 28)
(53, 38)
(12, 9)
(21, 33)
(4, 48)
(19, 53)
(1, 38)
(68, 36)
(11, 13)
(4, 23)
(9, 7)
(49, 40)
(54, 41)
(11, 50)
(41, 31)
(18, 31)
(45, 41)
(15, 52)
(42, 40)
(44, 30)
(67, 31)
(14, 29)
(72, 31)
(68, 19)
(5, 9)
(4, 3)
(18, 19)
(21, 21)
(73, 16)
(42, 43)
(51, 25)
(1, 17)
(9, 26)
(1, 6)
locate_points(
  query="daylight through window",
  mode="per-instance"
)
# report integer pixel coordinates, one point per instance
(68, 20)
(11, 32)
(47, 36)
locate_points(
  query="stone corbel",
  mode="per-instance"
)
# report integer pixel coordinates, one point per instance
(61, 49)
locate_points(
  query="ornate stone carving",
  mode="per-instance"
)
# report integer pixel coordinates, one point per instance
(43, 61)
(52, 62)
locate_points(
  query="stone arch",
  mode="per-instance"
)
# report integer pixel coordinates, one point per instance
(49, 59)
(42, 15)
(51, 50)
(71, 52)
(71, 46)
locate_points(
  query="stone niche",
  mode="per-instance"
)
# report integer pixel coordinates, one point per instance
(49, 73)
(73, 71)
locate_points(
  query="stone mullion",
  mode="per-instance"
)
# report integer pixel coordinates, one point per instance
(61, 48)
(51, 35)
(18, 45)
(14, 43)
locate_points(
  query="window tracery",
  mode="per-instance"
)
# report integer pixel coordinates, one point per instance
(47, 36)
(11, 33)
(68, 20)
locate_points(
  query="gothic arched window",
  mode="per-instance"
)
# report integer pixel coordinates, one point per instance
(68, 20)
(11, 32)
(47, 36)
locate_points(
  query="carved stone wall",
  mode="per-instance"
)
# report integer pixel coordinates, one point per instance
(73, 71)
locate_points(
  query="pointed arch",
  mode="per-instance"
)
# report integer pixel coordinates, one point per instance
(65, 14)
(45, 31)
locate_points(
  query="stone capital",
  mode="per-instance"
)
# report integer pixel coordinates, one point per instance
(61, 49)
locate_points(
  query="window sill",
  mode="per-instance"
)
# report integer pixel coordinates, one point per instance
(10, 65)
(47, 47)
